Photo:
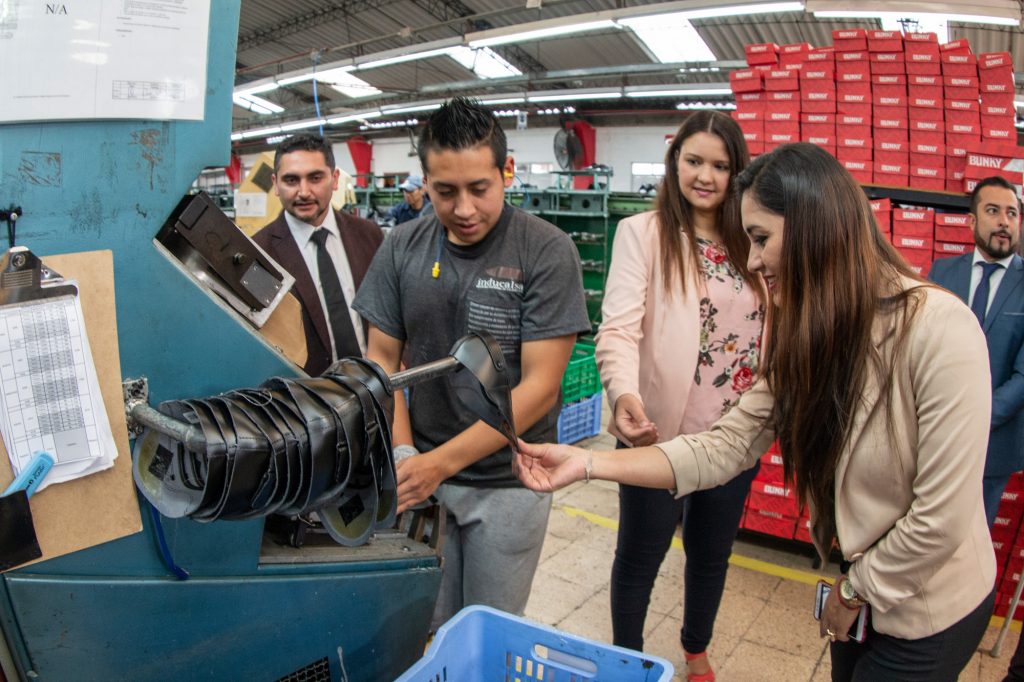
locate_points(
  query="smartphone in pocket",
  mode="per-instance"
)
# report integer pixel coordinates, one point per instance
(859, 630)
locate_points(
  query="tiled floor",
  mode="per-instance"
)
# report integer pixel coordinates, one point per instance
(764, 631)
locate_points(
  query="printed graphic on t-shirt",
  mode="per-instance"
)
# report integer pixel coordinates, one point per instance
(494, 306)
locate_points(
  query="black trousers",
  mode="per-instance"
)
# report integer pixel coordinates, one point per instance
(937, 658)
(1015, 673)
(647, 523)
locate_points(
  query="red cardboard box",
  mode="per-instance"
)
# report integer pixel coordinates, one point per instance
(955, 64)
(887, 63)
(983, 160)
(1007, 111)
(1000, 134)
(818, 102)
(996, 88)
(954, 228)
(857, 93)
(787, 130)
(962, 139)
(774, 498)
(961, 46)
(782, 79)
(944, 249)
(750, 101)
(746, 80)
(922, 65)
(851, 77)
(762, 53)
(860, 170)
(850, 108)
(793, 54)
(928, 178)
(883, 205)
(850, 40)
(995, 74)
(928, 160)
(992, 99)
(783, 116)
(927, 132)
(851, 63)
(802, 533)
(820, 55)
(890, 179)
(817, 74)
(960, 87)
(925, 109)
(907, 243)
(995, 60)
(921, 43)
(853, 148)
(817, 119)
(883, 90)
(769, 522)
(856, 132)
(753, 135)
(890, 157)
(913, 222)
(899, 101)
(742, 117)
(779, 100)
(883, 135)
(859, 120)
(919, 260)
(891, 146)
(885, 41)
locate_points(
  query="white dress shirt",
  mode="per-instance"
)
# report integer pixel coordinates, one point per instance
(302, 233)
(993, 281)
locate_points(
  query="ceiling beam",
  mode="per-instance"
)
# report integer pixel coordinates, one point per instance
(301, 22)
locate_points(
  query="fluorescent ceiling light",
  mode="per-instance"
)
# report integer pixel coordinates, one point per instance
(300, 125)
(260, 132)
(411, 57)
(484, 62)
(671, 38)
(573, 96)
(697, 92)
(706, 105)
(743, 10)
(256, 104)
(347, 84)
(1019, 103)
(929, 16)
(542, 33)
(256, 90)
(504, 100)
(410, 109)
(360, 116)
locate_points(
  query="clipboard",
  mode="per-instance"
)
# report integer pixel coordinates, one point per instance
(101, 506)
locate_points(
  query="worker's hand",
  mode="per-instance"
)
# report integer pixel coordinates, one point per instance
(632, 421)
(418, 477)
(548, 467)
(836, 619)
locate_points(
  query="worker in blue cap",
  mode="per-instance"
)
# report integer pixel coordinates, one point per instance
(416, 200)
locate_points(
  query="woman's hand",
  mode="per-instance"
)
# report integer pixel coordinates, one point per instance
(632, 421)
(836, 619)
(548, 467)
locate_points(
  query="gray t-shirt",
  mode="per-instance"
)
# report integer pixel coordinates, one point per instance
(522, 282)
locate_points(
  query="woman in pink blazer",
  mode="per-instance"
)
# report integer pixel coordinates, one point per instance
(877, 386)
(678, 344)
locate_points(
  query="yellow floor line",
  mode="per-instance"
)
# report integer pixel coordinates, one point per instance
(765, 567)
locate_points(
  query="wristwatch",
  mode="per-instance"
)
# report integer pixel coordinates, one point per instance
(847, 595)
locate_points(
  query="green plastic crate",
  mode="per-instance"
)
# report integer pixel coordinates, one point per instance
(581, 379)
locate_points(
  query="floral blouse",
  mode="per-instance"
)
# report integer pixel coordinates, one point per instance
(731, 318)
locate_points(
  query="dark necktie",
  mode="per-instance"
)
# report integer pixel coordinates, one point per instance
(337, 307)
(980, 302)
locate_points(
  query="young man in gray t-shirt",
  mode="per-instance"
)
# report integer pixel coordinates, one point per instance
(477, 264)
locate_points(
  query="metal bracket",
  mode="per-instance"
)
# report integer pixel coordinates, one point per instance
(135, 392)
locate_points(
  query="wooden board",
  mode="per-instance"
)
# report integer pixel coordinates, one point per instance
(100, 507)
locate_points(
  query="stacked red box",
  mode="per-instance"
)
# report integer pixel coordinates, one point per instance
(946, 249)
(769, 522)
(921, 54)
(959, 64)
(793, 55)
(927, 178)
(995, 78)
(862, 171)
(1009, 551)
(991, 158)
(771, 468)
(887, 63)
(819, 129)
(782, 118)
(953, 228)
(961, 87)
(752, 125)
(850, 40)
(751, 106)
(928, 155)
(882, 208)
(817, 89)
(774, 498)
(913, 236)
(803, 529)
(762, 54)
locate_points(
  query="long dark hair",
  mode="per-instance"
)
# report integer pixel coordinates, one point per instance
(674, 211)
(837, 274)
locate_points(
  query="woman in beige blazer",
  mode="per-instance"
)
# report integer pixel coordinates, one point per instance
(877, 387)
(679, 342)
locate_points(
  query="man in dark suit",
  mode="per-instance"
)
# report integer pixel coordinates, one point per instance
(326, 251)
(991, 281)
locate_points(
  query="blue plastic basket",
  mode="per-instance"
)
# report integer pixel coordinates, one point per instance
(481, 643)
(580, 420)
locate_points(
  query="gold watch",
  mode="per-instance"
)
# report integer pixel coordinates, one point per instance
(848, 596)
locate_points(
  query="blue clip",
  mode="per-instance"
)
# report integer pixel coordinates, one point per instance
(32, 475)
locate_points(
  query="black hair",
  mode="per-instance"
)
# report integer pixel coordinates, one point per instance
(304, 142)
(993, 181)
(461, 123)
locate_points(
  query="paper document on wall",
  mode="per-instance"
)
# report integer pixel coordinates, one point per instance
(49, 392)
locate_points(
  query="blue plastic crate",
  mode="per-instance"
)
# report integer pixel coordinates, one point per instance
(580, 420)
(481, 643)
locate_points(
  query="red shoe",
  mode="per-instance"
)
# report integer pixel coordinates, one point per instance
(709, 676)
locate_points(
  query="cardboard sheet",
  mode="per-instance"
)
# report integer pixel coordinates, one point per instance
(103, 506)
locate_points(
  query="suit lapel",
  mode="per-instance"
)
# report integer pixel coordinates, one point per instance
(1007, 287)
(962, 277)
(287, 253)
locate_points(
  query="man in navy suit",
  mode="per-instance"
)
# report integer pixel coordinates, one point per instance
(309, 234)
(991, 281)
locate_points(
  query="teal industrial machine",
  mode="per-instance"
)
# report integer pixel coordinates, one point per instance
(223, 602)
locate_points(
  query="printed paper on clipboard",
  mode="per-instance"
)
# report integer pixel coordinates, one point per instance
(49, 392)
